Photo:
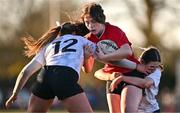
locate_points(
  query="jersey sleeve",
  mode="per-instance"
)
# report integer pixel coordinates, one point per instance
(116, 34)
(39, 57)
(155, 76)
(152, 91)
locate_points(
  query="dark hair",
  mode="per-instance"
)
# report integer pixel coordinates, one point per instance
(67, 28)
(76, 27)
(80, 28)
(150, 54)
(95, 11)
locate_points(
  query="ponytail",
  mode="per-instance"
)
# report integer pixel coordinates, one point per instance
(33, 46)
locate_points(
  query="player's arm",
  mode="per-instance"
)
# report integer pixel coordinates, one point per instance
(34, 65)
(88, 64)
(121, 62)
(125, 63)
(101, 75)
(143, 83)
(25, 74)
(119, 54)
(22, 78)
(88, 58)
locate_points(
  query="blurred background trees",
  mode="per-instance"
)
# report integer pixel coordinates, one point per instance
(146, 22)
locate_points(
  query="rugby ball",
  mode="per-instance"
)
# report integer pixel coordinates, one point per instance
(107, 46)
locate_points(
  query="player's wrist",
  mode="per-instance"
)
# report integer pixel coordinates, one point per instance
(140, 67)
(15, 93)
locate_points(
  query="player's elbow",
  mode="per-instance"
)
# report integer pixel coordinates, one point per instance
(129, 52)
(27, 71)
(148, 84)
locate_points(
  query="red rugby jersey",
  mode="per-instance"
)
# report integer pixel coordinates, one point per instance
(119, 37)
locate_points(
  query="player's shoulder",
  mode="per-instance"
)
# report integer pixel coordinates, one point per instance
(77, 36)
(115, 32)
(156, 74)
(113, 27)
(80, 37)
(157, 71)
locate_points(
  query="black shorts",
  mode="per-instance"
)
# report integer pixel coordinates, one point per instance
(121, 85)
(60, 81)
(157, 111)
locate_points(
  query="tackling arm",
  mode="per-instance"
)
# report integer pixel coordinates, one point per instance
(88, 64)
(24, 75)
(22, 78)
(143, 83)
(119, 54)
(101, 75)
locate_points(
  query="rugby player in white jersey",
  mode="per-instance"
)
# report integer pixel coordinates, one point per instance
(150, 83)
(60, 55)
